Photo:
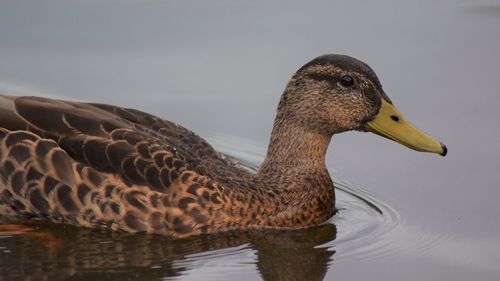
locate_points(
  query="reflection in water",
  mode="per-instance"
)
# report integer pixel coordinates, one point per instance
(84, 254)
(295, 255)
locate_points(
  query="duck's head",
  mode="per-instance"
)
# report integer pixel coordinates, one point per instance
(336, 93)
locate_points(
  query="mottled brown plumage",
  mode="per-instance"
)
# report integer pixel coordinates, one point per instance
(99, 165)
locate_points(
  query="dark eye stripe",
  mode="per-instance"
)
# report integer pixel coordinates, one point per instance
(346, 80)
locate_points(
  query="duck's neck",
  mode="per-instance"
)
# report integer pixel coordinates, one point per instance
(294, 148)
(297, 183)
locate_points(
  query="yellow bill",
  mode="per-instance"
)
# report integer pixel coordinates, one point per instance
(391, 124)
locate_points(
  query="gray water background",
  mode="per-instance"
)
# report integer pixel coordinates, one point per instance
(219, 67)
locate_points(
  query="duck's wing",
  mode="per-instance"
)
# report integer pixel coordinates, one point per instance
(138, 147)
(179, 138)
(99, 165)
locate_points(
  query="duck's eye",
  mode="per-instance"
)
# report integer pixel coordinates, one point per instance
(347, 81)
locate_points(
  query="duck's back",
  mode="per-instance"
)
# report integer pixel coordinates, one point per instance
(94, 164)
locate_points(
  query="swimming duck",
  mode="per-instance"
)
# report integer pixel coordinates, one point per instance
(97, 165)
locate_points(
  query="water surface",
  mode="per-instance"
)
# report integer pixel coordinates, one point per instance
(218, 67)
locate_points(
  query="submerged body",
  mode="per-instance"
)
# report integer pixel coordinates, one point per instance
(98, 165)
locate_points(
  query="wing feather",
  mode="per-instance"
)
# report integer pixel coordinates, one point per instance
(135, 146)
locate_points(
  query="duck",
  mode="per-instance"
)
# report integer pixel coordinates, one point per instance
(103, 166)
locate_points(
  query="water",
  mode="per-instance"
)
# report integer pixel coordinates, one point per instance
(218, 67)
